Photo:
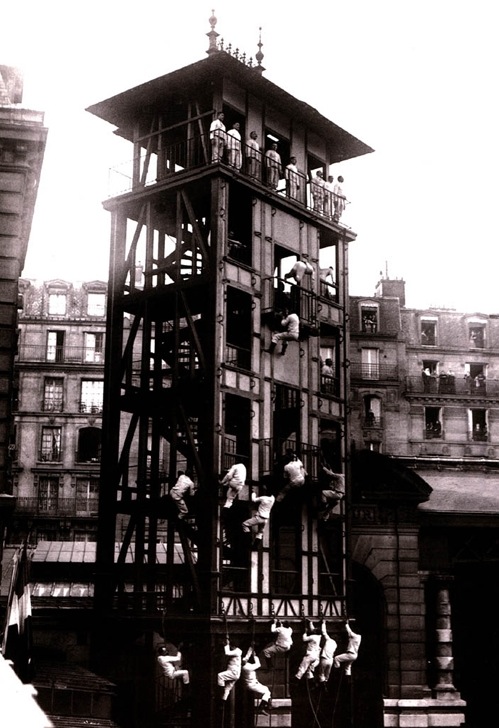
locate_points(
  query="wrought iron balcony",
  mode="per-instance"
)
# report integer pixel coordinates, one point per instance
(279, 294)
(59, 355)
(55, 507)
(273, 452)
(445, 384)
(374, 372)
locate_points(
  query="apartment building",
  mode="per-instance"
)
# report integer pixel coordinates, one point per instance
(58, 410)
(425, 434)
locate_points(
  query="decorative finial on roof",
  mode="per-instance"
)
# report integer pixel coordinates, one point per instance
(259, 54)
(212, 35)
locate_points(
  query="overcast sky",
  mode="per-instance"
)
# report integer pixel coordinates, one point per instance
(417, 81)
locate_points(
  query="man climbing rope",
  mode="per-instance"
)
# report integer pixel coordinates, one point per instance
(312, 639)
(228, 677)
(282, 643)
(251, 664)
(328, 648)
(352, 651)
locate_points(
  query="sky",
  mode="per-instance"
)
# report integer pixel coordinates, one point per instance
(416, 81)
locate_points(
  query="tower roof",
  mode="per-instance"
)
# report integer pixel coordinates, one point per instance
(126, 108)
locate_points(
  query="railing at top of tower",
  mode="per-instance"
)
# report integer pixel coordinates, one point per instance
(155, 166)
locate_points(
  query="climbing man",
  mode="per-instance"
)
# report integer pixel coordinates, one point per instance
(328, 648)
(170, 661)
(264, 505)
(251, 664)
(283, 640)
(352, 651)
(311, 658)
(234, 479)
(228, 677)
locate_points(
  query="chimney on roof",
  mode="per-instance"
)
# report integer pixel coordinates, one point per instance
(391, 288)
(11, 85)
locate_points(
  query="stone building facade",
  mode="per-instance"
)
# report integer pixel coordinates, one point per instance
(425, 509)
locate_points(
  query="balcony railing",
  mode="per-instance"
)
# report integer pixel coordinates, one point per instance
(280, 295)
(447, 384)
(373, 371)
(57, 506)
(237, 356)
(63, 355)
(53, 405)
(154, 167)
(330, 385)
(273, 452)
(50, 456)
(372, 421)
(92, 408)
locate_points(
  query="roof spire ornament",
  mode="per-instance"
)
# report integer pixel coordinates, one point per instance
(212, 35)
(259, 54)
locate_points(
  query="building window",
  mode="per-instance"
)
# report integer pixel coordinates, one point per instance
(50, 448)
(372, 411)
(428, 332)
(475, 376)
(55, 346)
(89, 445)
(53, 394)
(369, 319)
(94, 348)
(287, 559)
(329, 358)
(370, 363)
(57, 304)
(478, 425)
(92, 396)
(477, 336)
(239, 328)
(240, 226)
(237, 430)
(433, 423)
(96, 304)
(87, 496)
(48, 494)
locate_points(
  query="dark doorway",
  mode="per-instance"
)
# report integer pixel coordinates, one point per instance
(475, 605)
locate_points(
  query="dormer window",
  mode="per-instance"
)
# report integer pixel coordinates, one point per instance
(429, 332)
(57, 304)
(96, 304)
(369, 318)
(477, 336)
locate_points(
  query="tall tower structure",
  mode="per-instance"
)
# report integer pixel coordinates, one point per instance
(206, 235)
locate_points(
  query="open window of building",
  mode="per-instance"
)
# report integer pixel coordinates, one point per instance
(478, 425)
(369, 318)
(240, 225)
(433, 423)
(89, 445)
(429, 332)
(239, 331)
(237, 431)
(475, 375)
(371, 411)
(55, 346)
(329, 361)
(477, 335)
